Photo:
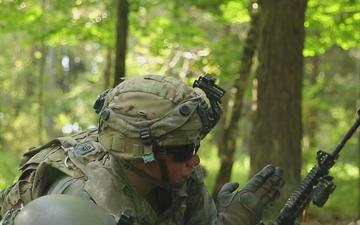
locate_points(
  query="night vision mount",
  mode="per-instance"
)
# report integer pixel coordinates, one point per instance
(210, 116)
(100, 101)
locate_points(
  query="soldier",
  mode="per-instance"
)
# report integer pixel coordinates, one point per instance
(143, 159)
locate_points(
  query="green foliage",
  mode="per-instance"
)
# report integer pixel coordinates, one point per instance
(330, 23)
(211, 163)
(8, 168)
(178, 38)
(329, 104)
(235, 11)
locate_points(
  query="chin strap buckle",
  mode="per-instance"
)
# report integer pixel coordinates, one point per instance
(148, 142)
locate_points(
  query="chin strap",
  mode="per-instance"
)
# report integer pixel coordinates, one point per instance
(130, 167)
(149, 156)
(161, 158)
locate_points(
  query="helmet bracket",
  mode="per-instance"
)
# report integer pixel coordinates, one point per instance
(209, 116)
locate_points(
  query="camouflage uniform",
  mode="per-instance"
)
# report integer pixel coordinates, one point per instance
(141, 119)
(78, 165)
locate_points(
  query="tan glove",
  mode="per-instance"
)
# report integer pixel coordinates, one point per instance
(245, 206)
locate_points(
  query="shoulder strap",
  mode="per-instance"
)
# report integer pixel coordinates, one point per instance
(64, 142)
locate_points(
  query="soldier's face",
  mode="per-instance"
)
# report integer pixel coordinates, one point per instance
(180, 160)
(180, 172)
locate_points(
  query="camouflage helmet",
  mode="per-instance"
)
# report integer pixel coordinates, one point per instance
(62, 210)
(144, 110)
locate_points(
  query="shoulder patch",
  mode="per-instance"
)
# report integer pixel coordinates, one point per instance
(84, 148)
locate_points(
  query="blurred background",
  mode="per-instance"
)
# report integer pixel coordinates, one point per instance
(291, 70)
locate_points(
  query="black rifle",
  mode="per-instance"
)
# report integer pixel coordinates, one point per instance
(316, 186)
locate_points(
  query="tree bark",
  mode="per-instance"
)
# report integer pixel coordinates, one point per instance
(312, 126)
(41, 103)
(40, 121)
(277, 126)
(107, 71)
(121, 37)
(358, 161)
(228, 135)
(50, 84)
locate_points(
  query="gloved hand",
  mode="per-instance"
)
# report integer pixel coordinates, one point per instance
(245, 206)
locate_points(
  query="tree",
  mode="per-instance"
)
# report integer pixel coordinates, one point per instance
(277, 128)
(121, 31)
(358, 161)
(229, 130)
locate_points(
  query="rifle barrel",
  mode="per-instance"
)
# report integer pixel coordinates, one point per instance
(302, 195)
(346, 137)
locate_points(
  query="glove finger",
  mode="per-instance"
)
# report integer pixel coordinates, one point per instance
(270, 202)
(271, 186)
(226, 195)
(270, 194)
(277, 180)
(265, 191)
(258, 180)
(229, 187)
(269, 198)
(278, 171)
(280, 184)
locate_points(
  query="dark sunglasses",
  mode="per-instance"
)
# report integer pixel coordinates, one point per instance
(181, 153)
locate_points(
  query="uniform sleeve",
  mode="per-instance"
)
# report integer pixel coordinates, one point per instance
(3, 193)
(201, 208)
(15, 196)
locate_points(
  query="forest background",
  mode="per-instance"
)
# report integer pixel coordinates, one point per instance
(57, 56)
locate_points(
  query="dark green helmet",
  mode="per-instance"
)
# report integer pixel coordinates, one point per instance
(62, 210)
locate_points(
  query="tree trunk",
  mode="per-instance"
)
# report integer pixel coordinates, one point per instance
(51, 71)
(312, 126)
(228, 135)
(41, 106)
(121, 36)
(358, 200)
(277, 127)
(30, 80)
(107, 71)
(40, 114)
(358, 160)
